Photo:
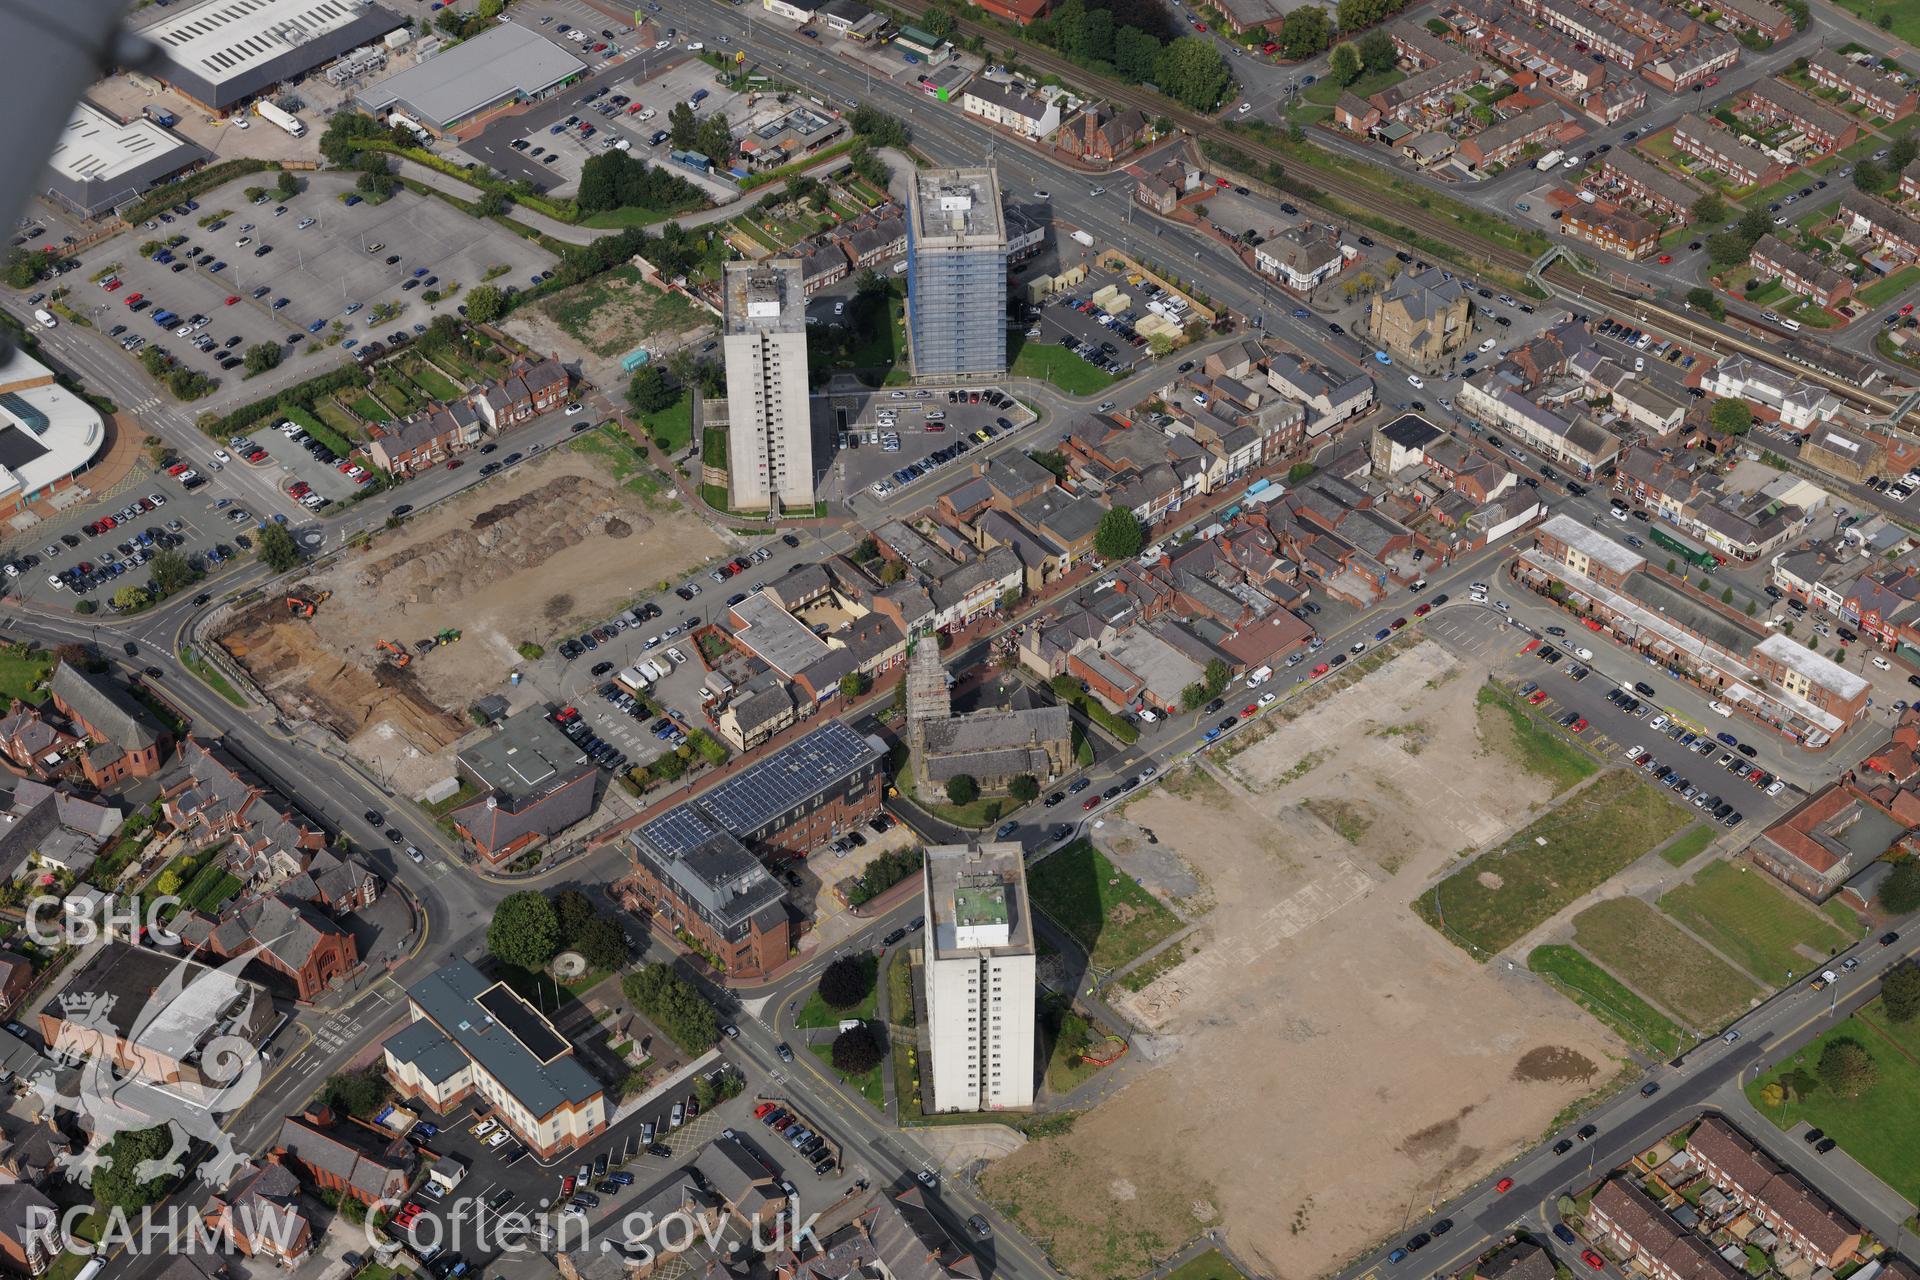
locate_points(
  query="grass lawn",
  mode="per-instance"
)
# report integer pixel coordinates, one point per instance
(1602, 995)
(1881, 1128)
(1748, 919)
(1891, 287)
(1069, 1035)
(1211, 1265)
(215, 681)
(1327, 91)
(818, 1013)
(630, 468)
(1533, 746)
(1688, 846)
(328, 410)
(672, 427)
(1767, 292)
(1652, 956)
(432, 381)
(22, 671)
(1490, 903)
(1061, 367)
(867, 1082)
(1109, 915)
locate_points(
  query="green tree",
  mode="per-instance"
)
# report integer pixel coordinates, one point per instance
(1710, 208)
(602, 943)
(1025, 788)
(1847, 1068)
(1900, 892)
(130, 599)
(1726, 597)
(1216, 677)
(492, 204)
(357, 1093)
(1754, 223)
(1377, 53)
(1728, 248)
(376, 184)
(1305, 32)
(857, 1050)
(1118, 536)
(674, 1005)
(1343, 64)
(1730, 416)
(853, 684)
(170, 571)
(276, 548)
(879, 128)
(847, 981)
(1193, 697)
(485, 304)
(1903, 152)
(525, 931)
(1900, 991)
(962, 789)
(650, 391)
(716, 139)
(1191, 71)
(262, 356)
(1704, 299)
(683, 127)
(573, 911)
(1869, 176)
(287, 185)
(117, 1183)
(1136, 54)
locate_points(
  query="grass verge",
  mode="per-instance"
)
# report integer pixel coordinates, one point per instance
(867, 1083)
(1533, 746)
(213, 679)
(1688, 846)
(1650, 954)
(1746, 918)
(818, 1013)
(1585, 983)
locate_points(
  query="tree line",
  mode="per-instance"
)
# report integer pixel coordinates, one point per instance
(1188, 69)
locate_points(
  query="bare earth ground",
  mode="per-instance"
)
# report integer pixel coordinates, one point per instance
(536, 554)
(1329, 1059)
(608, 317)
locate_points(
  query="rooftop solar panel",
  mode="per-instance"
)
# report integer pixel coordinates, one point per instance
(522, 1022)
(786, 779)
(678, 831)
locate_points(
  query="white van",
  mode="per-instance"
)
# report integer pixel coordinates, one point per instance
(1259, 676)
(1790, 323)
(45, 318)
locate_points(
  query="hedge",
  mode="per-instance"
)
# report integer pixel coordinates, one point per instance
(300, 393)
(1065, 688)
(164, 198)
(480, 180)
(326, 435)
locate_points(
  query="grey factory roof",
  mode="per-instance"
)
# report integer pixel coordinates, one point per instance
(504, 1036)
(525, 758)
(502, 62)
(779, 639)
(223, 52)
(99, 162)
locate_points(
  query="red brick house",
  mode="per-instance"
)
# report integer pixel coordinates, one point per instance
(1100, 134)
(1019, 12)
(1800, 1216)
(29, 1235)
(293, 939)
(526, 392)
(345, 1156)
(16, 976)
(263, 1219)
(408, 448)
(125, 740)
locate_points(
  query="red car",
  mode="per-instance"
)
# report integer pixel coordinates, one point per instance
(1089, 802)
(1321, 670)
(1423, 611)
(1399, 623)
(1579, 726)
(232, 298)
(1907, 310)
(1250, 709)
(1269, 48)
(176, 468)
(1588, 1256)
(1504, 1185)
(566, 1185)
(454, 464)
(1199, 26)
(1537, 697)
(112, 286)
(1665, 258)
(565, 714)
(762, 1110)
(132, 298)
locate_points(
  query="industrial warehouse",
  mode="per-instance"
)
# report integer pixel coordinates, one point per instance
(220, 53)
(508, 63)
(100, 162)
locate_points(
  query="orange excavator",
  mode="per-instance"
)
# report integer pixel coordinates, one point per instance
(304, 606)
(396, 653)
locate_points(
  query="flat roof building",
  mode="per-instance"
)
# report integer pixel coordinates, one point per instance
(956, 273)
(980, 977)
(769, 413)
(222, 52)
(534, 781)
(48, 435)
(504, 63)
(471, 1035)
(100, 162)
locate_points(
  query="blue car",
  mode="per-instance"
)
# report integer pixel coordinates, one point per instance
(417, 273)
(1383, 357)
(1301, 313)
(559, 128)
(217, 267)
(350, 201)
(316, 326)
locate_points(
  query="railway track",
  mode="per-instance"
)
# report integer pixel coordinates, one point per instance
(1411, 216)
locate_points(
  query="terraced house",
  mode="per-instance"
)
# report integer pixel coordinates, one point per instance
(1700, 61)
(1718, 149)
(1503, 143)
(1800, 1216)
(1800, 272)
(1758, 17)
(1890, 230)
(1878, 92)
(1634, 1226)
(1603, 35)
(1011, 106)
(1612, 229)
(1647, 183)
(1824, 128)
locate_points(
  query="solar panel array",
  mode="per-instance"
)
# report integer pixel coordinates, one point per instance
(787, 779)
(678, 831)
(522, 1023)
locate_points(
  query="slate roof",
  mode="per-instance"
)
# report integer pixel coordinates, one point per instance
(108, 709)
(450, 997)
(368, 1169)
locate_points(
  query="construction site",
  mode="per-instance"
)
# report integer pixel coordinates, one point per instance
(389, 644)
